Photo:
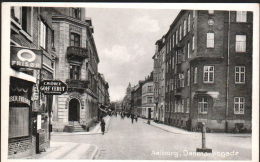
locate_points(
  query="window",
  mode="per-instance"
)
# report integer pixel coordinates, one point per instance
(194, 12)
(182, 105)
(189, 23)
(173, 41)
(172, 62)
(27, 19)
(175, 106)
(74, 40)
(193, 42)
(181, 78)
(149, 88)
(43, 35)
(208, 74)
(188, 50)
(52, 39)
(177, 34)
(210, 40)
(18, 122)
(16, 14)
(195, 79)
(75, 72)
(188, 77)
(203, 105)
(149, 99)
(240, 74)
(76, 13)
(239, 105)
(188, 106)
(240, 43)
(180, 36)
(184, 27)
(241, 16)
(211, 11)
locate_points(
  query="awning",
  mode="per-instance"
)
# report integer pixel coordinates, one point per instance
(22, 75)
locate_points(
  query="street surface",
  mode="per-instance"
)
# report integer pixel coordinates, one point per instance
(140, 141)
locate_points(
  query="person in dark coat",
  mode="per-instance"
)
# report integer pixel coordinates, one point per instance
(103, 126)
(132, 118)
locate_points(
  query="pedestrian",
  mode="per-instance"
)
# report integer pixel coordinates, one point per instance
(136, 117)
(103, 126)
(132, 118)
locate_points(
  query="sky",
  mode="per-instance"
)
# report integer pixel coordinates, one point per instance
(125, 41)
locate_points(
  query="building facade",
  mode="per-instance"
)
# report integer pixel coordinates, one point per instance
(78, 67)
(33, 58)
(209, 70)
(159, 80)
(148, 98)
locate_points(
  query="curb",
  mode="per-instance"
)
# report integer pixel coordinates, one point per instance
(95, 153)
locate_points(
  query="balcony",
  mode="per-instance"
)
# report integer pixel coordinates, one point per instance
(77, 84)
(77, 53)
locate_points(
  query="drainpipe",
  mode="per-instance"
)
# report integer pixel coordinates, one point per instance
(227, 88)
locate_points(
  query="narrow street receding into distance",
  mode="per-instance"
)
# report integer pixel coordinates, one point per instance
(124, 141)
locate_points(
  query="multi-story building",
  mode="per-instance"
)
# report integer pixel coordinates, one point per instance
(159, 80)
(126, 103)
(148, 97)
(209, 70)
(32, 60)
(77, 66)
(103, 94)
(137, 98)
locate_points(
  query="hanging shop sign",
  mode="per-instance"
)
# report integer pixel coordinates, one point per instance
(27, 58)
(19, 99)
(52, 87)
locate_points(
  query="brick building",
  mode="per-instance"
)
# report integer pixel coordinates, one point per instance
(159, 80)
(32, 60)
(209, 70)
(78, 67)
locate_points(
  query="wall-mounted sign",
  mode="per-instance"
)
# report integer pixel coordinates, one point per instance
(19, 99)
(29, 58)
(52, 87)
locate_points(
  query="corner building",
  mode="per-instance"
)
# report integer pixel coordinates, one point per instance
(77, 66)
(209, 70)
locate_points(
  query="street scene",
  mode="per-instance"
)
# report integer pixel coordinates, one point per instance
(128, 84)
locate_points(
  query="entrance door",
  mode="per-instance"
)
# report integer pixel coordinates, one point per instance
(74, 110)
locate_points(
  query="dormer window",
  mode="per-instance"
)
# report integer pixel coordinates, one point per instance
(76, 13)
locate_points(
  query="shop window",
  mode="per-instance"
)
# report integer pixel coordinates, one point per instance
(74, 72)
(240, 43)
(18, 122)
(239, 105)
(240, 74)
(208, 74)
(210, 40)
(74, 40)
(203, 105)
(241, 16)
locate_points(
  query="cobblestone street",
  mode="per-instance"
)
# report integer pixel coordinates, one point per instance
(125, 140)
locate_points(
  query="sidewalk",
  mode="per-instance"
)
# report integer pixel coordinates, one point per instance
(71, 150)
(67, 150)
(168, 128)
(96, 130)
(175, 130)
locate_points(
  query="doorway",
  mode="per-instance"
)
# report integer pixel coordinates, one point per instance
(74, 106)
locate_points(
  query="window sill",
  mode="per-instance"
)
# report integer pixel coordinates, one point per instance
(203, 113)
(238, 52)
(240, 83)
(239, 113)
(208, 82)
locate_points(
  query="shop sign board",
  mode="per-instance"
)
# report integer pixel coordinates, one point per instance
(26, 58)
(52, 87)
(19, 99)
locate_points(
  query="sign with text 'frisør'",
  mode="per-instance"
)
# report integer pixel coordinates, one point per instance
(52, 87)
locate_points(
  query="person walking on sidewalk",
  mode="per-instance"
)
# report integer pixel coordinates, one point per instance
(103, 126)
(136, 117)
(132, 118)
